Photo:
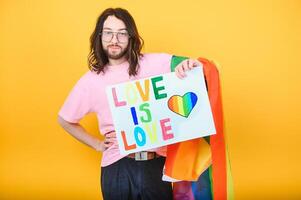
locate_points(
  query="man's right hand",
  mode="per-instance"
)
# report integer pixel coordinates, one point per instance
(110, 139)
(100, 146)
(77, 131)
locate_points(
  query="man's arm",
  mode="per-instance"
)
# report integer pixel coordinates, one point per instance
(77, 131)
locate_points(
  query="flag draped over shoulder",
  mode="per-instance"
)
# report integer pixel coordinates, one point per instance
(202, 163)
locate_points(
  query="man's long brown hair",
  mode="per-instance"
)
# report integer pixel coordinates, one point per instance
(97, 58)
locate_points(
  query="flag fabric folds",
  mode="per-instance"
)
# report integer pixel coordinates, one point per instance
(202, 164)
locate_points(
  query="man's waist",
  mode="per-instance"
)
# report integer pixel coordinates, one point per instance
(143, 155)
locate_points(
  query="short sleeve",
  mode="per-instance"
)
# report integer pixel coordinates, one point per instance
(165, 61)
(78, 102)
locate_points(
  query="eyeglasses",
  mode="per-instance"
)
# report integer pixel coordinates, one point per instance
(107, 36)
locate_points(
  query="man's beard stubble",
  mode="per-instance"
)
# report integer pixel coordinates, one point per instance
(115, 56)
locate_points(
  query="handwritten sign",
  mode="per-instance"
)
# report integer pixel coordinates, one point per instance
(160, 110)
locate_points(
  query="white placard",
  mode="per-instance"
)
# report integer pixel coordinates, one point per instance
(160, 110)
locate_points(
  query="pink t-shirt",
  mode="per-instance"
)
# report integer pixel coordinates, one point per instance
(88, 96)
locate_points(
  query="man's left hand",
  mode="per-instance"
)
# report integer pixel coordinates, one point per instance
(185, 65)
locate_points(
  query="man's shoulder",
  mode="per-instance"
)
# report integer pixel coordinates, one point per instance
(156, 57)
(87, 75)
(88, 78)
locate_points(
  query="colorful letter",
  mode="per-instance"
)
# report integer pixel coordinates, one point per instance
(165, 129)
(117, 103)
(151, 131)
(126, 146)
(144, 95)
(131, 94)
(139, 136)
(158, 89)
(144, 107)
(134, 115)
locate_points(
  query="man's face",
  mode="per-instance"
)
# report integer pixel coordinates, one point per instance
(114, 38)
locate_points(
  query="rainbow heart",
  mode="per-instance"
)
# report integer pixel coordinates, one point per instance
(182, 105)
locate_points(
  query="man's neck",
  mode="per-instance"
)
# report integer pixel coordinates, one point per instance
(117, 61)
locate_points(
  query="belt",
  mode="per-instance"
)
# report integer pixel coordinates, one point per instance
(143, 155)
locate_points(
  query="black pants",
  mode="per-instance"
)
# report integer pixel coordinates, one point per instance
(135, 180)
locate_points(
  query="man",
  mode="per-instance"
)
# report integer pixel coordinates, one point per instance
(115, 57)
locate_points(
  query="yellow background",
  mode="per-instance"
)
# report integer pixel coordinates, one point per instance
(43, 52)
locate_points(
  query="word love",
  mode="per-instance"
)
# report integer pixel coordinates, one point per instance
(148, 130)
(131, 91)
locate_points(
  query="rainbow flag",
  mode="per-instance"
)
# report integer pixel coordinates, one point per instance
(202, 164)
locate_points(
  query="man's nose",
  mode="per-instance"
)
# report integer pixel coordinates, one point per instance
(114, 39)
